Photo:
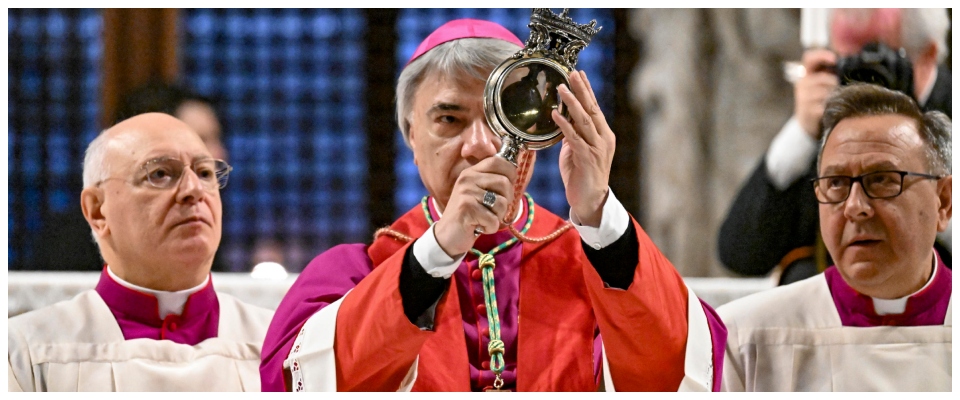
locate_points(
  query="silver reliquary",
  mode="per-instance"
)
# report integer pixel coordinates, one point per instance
(521, 92)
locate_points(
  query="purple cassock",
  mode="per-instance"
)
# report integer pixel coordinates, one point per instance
(139, 317)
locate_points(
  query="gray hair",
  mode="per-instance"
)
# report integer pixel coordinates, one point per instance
(920, 26)
(470, 57)
(94, 161)
(860, 100)
(95, 168)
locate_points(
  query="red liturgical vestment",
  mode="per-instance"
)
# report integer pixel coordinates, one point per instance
(342, 325)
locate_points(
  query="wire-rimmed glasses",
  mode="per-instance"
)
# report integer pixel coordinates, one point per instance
(166, 172)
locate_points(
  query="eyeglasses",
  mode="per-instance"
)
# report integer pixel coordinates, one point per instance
(166, 172)
(876, 185)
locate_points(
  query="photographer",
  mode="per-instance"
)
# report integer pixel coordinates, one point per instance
(774, 219)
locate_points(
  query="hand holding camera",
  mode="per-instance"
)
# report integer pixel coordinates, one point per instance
(822, 71)
(811, 90)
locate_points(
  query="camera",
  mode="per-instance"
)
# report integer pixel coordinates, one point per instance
(880, 65)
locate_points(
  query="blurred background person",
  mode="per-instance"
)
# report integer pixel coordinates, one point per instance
(773, 220)
(197, 111)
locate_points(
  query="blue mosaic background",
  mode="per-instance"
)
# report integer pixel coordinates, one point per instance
(53, 112)
(290, 85)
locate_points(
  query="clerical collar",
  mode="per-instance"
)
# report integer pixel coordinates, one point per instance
(137, 311)
(926, 307)
(897, 306)
(168, 302)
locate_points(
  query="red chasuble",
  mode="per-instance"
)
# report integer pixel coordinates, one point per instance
(562, 301)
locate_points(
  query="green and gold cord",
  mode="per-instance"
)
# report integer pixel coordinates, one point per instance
(487, 263)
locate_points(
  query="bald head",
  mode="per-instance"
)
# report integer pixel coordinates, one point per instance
(123, 139)
(148, 122)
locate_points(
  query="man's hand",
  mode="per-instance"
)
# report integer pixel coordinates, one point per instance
(587, 153)
(811, 91)
(465, 211)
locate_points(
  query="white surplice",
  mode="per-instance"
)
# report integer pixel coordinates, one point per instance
(77, 345)
(791, 339)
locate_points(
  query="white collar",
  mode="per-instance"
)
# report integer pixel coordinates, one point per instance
(899, 305)
(167, 302)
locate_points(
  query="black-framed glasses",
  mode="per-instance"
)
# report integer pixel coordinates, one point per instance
(876, 185)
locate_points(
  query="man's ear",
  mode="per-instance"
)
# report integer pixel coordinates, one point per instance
(924, 66)
(91, 203)
(945, 194)
(929, 52)
(411, 140)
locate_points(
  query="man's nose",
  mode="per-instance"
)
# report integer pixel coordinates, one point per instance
(190, 189)
(480, 141)
(857, 206)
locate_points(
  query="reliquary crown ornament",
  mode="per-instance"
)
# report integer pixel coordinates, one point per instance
(521, 93)
(557, 36)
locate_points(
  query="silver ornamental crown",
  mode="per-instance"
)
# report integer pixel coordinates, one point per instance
(557, 36)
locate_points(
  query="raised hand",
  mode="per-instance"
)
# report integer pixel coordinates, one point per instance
(587, 153)
(811, 91)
